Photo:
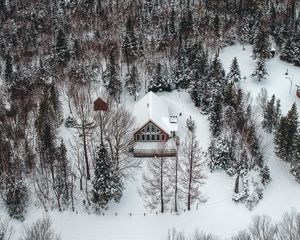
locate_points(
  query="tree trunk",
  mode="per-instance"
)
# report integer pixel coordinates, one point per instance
(101, 128)
(176, 182)
(237, 183)
(88, 176)
(161, 186)
(190, 178)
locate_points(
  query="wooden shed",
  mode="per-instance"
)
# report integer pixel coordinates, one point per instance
(100, 105)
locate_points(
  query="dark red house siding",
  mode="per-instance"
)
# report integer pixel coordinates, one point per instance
(155, 133)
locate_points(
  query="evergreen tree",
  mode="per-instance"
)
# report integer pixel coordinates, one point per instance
(295, 165)
(199, 82)
(288, 50)
(107, 183)
(62, 51)
(296, 57)
(111, 77)
(182, 69)
(133, 83)
(269, 115)
(8, 71)
(159, 81)
(221, 153)
(254, 147)
(16, 197)
(62, 176)
(216, 116)
(261, 45)
(260, 72)
(217, 81)
(265, 175)
(285, 135)
(130, 43)
(277, 113)
(15, 192)
(234, 75)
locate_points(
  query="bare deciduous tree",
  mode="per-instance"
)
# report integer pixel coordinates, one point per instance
(118, 126)
(289, 226)
(6, 231)
(156, 189)
(41, 230)
(84, 121)
(262, 228)
(192, 176)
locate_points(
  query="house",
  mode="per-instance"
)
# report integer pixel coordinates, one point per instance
(157, 128)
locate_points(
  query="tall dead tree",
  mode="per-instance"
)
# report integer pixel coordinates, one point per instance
(192, 176)
(156, 190)
(84, 121)
(118, 126)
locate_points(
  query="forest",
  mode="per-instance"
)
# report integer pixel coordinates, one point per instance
(56, 55)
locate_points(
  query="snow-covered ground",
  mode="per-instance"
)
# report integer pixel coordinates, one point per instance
(219, 215)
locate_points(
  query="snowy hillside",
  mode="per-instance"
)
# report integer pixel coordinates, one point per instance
(213, 216)
(150, 120)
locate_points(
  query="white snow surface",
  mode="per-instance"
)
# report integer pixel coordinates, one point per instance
(219, 215)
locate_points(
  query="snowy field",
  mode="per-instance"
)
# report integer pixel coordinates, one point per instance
(219, 215)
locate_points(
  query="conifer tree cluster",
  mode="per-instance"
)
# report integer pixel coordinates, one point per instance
(286, 140)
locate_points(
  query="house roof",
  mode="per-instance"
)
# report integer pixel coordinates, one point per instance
(152, 108)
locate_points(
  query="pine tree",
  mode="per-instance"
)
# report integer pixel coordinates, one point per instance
(277, 113)
(8, 71)
(217, 81)
(133, 83)
(295, 165)
(15, 192)
(254, 146)
(265, 175)
(269, 115)
(62, 51)
(107, 183)
(199, 81)
(260, 72)
(62, 176)
(159, 81)
(130, 43)
(285, 135)
(111, 77)
(216, 116)
(262, 45)
(16, 197)
(288, 50)
(234, 75)
(182, 69)
(296, 57)
(220, 153)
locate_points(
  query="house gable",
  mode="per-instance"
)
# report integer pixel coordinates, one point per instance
(151, 132)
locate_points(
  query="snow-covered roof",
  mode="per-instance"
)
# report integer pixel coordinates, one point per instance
(152, 108)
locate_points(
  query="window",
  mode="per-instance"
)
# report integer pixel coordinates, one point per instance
(148, 128)
(157, 137)
(143, 137)
(153, 137)
(138, 137)
(148, 137)
(163, 137)
(152, 128)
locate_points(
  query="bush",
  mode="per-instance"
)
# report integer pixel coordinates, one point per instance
(41, 230)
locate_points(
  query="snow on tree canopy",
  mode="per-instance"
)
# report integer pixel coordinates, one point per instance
(152, 108)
